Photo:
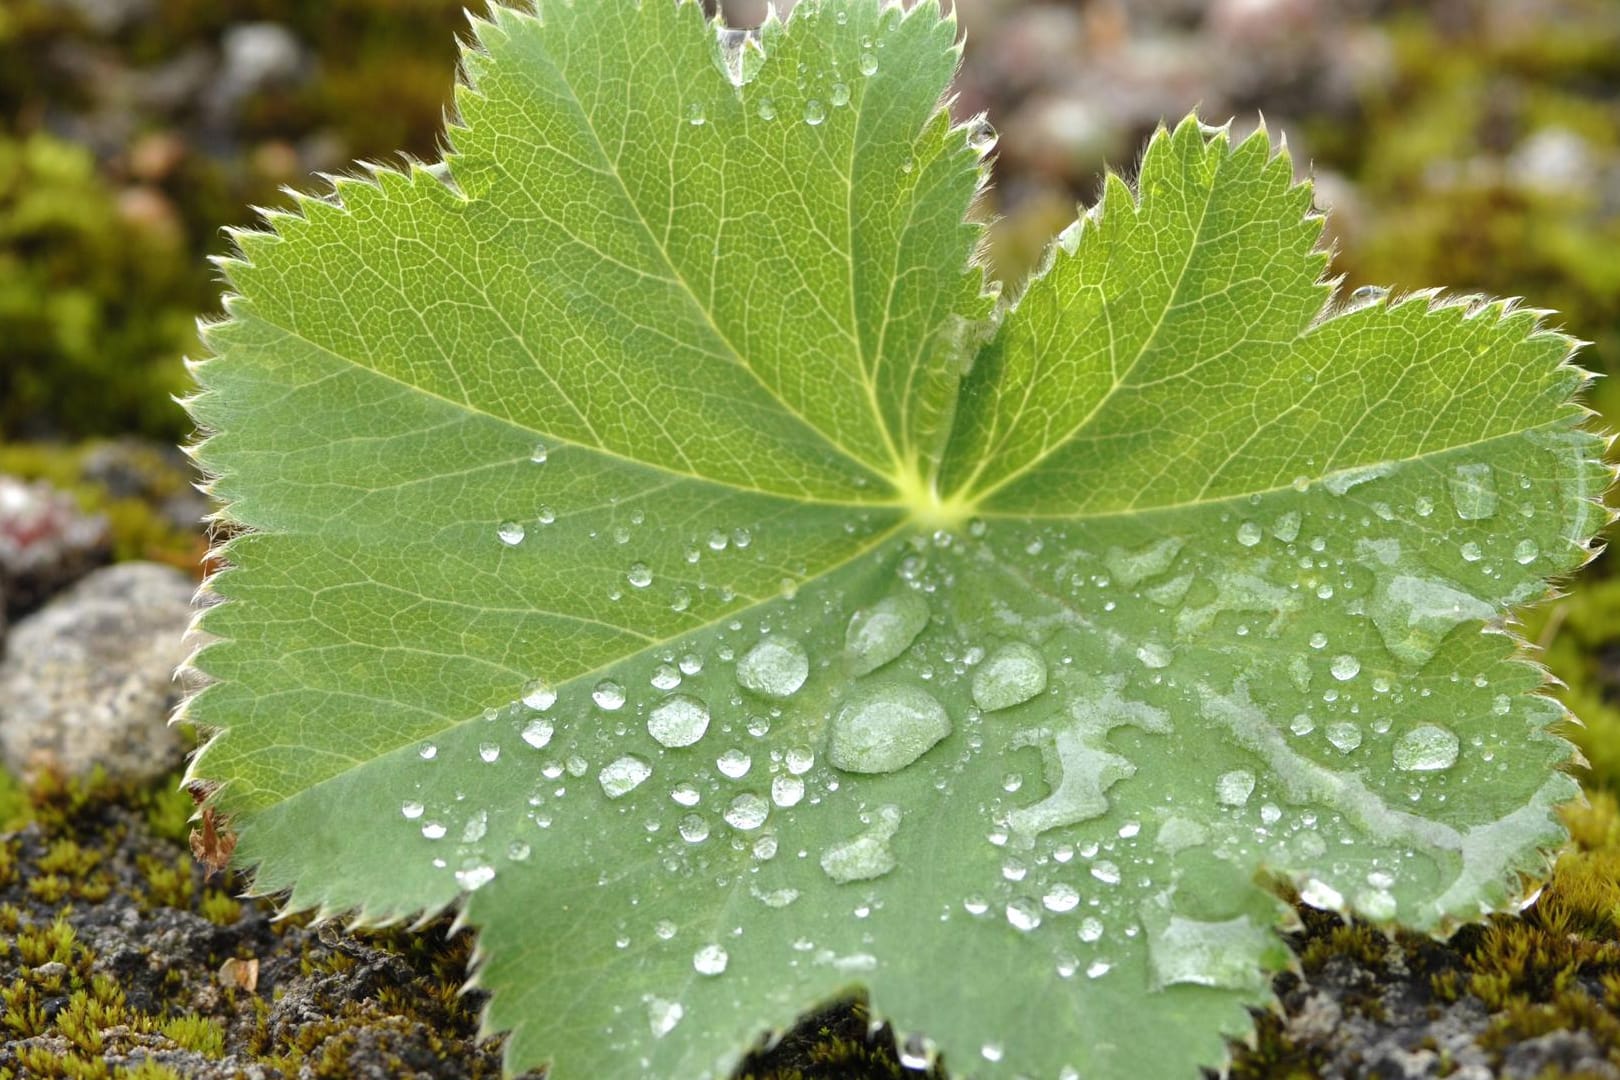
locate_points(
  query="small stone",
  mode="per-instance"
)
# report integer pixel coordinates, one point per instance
(88, 679)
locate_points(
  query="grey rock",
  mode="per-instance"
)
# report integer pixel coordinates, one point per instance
(88, 680)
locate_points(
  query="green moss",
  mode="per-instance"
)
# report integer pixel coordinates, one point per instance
(198, 1034)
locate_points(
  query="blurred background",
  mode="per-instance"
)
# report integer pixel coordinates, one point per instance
(1468, 143)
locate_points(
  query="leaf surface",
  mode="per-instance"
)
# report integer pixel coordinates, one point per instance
(654, 535)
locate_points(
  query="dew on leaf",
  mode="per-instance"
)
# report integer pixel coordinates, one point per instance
(711, 959)
(1192, 952)
(1525, 553)
(799, 760)
(867, 855)
(511, 533)
(869, 64)
(608, 695)
(1249, 534)
(1023, 913)
(489, 752)
(539, 453)
(517, 851)
(787, 790)
(1319, 894)
(885, 728)
(1154, 655)
(663, 1015)
(766, 109)
(475, 877)
(776, 667)
(1286, 527)
(1302, 724)
(1473, 491)
(1105, 872)
(1425, 748)
(1341, 482)
(1091, 930)
(838, 94)
(685, 794)
(694, 114)
(537, 732)
(1061, 897)
(427, 752)
(434, 830)
(1011, 675)
(665, 677)
(678, 720)
(639, 575)
(734, 763)
(1345, 667)
(623, 775)
(539, 695)
(1234, 788)
(412, 810)
(1098, 968)
(693, 829)
(1413, 615)
(1133, 566)
(880, 633)
(747, 811)
(476, 827)
(1344, 735)
(814, 112)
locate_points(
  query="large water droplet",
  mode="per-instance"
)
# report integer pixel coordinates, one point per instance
(608, 695)
(678, 720)
(511, 533)
(776, 667)
(1426, 748)
(623, 776)
(886, 728)
(866, 856)
(1473, 491)
(537, 732)
(1344, 735)
(787, 790)
(1061, 897)
(539, 695)
(1345, 667)
(1023, 913)
(1010, 676)
(880, 633)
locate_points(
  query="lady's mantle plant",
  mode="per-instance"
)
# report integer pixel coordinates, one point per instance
(658, 539)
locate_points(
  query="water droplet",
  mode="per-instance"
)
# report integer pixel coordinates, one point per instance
(639, 575)
(1344, 736)
(747, 811)
(694, 114)
(539, 695)
(711, 959)
(1286, 528)
(1319, 894)
(608, 695)
(776, 667)
(814, 112)
(1234, 788)
(678, 720)
(1061, 897)
(1105, 872)
(428, 752)
(869, 64)
(693, 829)
(686, 794)
(475, 878)
(885, 728)
(1023, 913)
(787, 790)
(1154, 655)
(880, 633)
(866, 856)
(489, 752)
(662, 1016)
(517, 851)
(1302, 724)
(1249, 534)
(623, 776)
(766, 110)
(1426, 748)
(1473, 491)
(434, 830)
(1345, 667)
(839, 95)
(1091, 930)
(1131, 568)
(734, 763)
(800, 760)
(1098, 968)
(1011, 675)
(510, 532)
(537, 732)
(1526, 552)
(411, 810)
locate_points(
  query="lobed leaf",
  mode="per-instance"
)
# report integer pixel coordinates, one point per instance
(655, 539)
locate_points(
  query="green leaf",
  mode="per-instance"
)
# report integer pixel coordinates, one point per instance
(654, 538)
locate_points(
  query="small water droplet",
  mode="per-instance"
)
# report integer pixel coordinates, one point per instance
(868, 855)
(766, 110)
(623, 775)
(475, 878)
(1091, 930)
(1105, 872)
(678, 720)
(539, 695)
(694, 114)
(608, 695)
(539, 454)
(1154, 655)
(1023, 913)
(1011, 675)
(1526, 552)
(662, 1016)
(428, 752)
(1061, 897)
(537, 732)
(787, 790)
(693, 829)
(411, 810)
(1234, 788)
(489, 752)
(1345, 667)
(711, 959)
(747, 811)
(814, 112)
(1249, 534)
(734, 763)
(511, 533)
(776, 667)
(434, 830)
(639, 575)
(1426, 748)
(1344, 735)
(838, 95)
(799, 760)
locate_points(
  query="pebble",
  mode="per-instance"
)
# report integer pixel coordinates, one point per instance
(88, 679)
(46, 542)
